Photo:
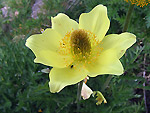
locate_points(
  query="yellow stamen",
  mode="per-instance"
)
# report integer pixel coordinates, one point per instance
(82, 45)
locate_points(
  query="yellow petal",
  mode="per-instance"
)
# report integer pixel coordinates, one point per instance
(119, 42)
(59, 78)
(63, 24)
(96, 21)
(107, 63)
(45, 47)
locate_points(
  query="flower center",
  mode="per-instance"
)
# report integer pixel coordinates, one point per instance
(82, 45)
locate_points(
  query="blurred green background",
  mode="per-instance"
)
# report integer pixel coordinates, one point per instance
(24, 88)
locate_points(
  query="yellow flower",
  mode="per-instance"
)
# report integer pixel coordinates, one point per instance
(140, 3)
(40, 110)
(77, 50)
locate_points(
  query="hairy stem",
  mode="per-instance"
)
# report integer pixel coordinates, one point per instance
(79, 95)
(128, 17)
(107, 82)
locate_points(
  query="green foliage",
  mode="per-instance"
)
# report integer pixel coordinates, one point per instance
(148, 20)
(24, 88)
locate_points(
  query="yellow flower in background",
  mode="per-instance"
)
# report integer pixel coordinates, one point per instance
(76, 50)
(140, 3)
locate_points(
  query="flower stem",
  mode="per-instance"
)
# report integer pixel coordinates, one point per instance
(107, 82)
(144, 84)
(128, 17)
(79, 94)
